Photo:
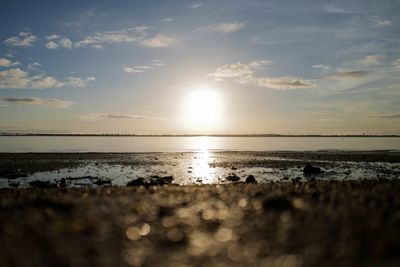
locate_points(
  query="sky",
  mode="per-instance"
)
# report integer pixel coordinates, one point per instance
(200, 67)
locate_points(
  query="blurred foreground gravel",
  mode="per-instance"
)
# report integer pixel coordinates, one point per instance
(288, 224)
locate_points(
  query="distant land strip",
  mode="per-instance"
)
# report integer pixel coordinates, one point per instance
(199, 135)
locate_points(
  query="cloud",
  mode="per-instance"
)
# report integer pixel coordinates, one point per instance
(244, 73)
(34, 101)
(129, 35)
(320, 66)
(24, 39)
(226, 27)
(7, 63)
(108, 116)
(334, 9)
(17, 78)
(56, 41)
(380, 23)
(371, 60)
(345, 75)
(239, 70)
(167, 20)
(196, 5)
(385, 116)
(159, 40)
(136, 69)
(396, 63)
(284, 83)
(143, 68)
(158, 63)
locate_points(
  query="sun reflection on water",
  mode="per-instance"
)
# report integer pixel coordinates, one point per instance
(201, 169)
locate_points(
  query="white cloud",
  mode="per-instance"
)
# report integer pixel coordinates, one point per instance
(34, 101)
(136, 69)
(226, 27)
(380, 23)
(8, 63)
(24, 39)
(320, 66)
(56, 41)
(108, 116)
(14, 78)
(159, 40)
(45, 82)
(17, 78)
(371, 60)
(52, 45)
(196, 5)
(53, 37)
(245, 73)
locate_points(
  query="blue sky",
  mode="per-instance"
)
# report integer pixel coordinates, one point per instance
(300, 67)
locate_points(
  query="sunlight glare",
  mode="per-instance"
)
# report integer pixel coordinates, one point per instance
(203, 109)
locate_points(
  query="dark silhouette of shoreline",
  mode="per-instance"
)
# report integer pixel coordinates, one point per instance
(198, 135)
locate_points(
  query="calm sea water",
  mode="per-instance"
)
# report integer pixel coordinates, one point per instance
(171, 144)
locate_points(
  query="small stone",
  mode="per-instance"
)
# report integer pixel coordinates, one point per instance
(251, 180)
(310, 170)
(233, 178)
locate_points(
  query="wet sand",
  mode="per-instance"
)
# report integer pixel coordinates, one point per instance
(311, 222)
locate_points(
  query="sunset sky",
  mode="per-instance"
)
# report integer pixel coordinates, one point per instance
(204, 67)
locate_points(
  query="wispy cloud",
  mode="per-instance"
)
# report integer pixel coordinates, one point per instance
(396, 63)
(136, 69)
(143, 68)
(34, 101)
(245, 73)
(284, 83)
(226, 27)
(380, 23)
(8, 63)
(23, 39)
(197, 5)
(371, 60)
(239, 71)
(129, 35)
(345, 75)
(167, 20)
(16, 78)
(159, 40)
(320, 66)
(335, 9)
(110, 116)
(385, 116)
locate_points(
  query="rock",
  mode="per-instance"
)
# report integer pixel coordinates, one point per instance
(251, 180)
(62, 183)
(310, 170)
(136, 182)
(233, 178)
(277, 204)
(102, 182)
(42, 184)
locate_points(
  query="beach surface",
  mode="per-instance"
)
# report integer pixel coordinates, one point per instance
(316, 220)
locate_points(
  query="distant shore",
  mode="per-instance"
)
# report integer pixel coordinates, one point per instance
(199, 135)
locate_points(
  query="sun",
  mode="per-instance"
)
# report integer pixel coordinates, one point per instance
(202, 109)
